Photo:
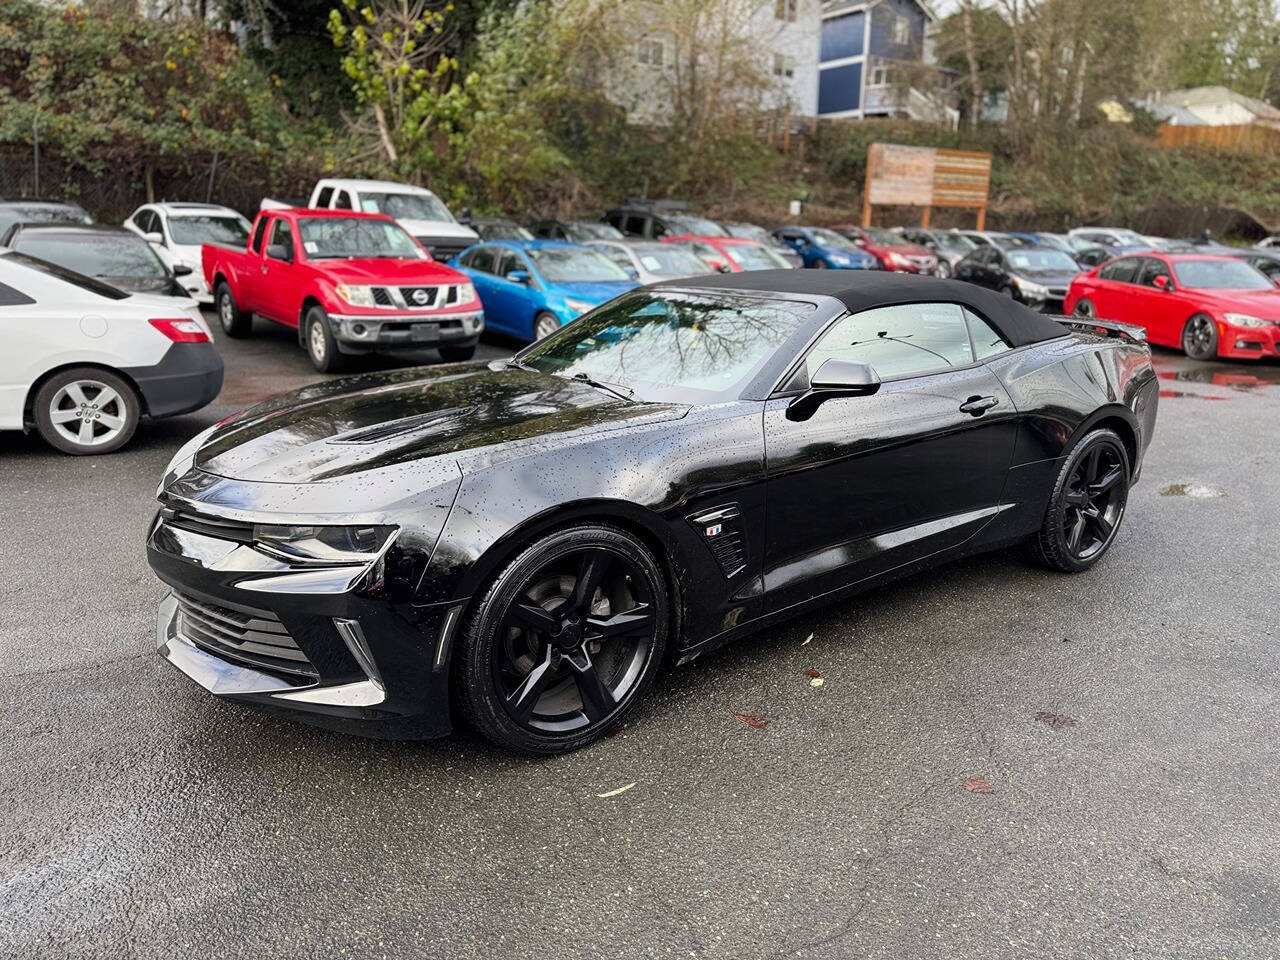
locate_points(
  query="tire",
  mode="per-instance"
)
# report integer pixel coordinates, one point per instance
(944, 269)
(545, 324)
(1087, 504)
(1200, 338)
(234, 321)
(452, 354)
(820, 265)
(85, 410)
(322, 348)
(1084, 308)
(536, 673)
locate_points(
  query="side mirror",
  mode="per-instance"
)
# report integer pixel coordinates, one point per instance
(278, 251)
(181, 270)
(153, 238)
(1163, 283)
(519, 276)
(466, 217)
(835, 378)
(720, 266)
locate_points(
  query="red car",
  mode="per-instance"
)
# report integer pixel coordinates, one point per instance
(894, 252)
(731, 254)
(1208, 306)
(348, 282)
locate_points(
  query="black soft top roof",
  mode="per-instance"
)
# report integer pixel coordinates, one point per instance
(863, 289)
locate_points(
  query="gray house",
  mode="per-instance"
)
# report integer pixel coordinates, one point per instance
(872, 62)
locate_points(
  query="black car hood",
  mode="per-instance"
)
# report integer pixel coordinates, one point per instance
(1050, 278)
(344, 427)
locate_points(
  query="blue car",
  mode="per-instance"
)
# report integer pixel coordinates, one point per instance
(825, 249)
(531, 289)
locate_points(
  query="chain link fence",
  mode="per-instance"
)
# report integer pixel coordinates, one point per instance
(111, 190)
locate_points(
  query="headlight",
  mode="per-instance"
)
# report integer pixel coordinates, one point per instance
(841, 259)
(466, 293)
(298, 544)
(356, 296)
(1245, 320)
(184, 459)
(579, 307)
(1031, 289)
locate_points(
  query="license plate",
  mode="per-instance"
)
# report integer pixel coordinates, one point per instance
(425, 332)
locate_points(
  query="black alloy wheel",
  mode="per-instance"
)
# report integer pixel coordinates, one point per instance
(1200, 338)
(1087, 505)
(564, 640)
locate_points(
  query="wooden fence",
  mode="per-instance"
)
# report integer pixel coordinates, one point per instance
(1239, 137)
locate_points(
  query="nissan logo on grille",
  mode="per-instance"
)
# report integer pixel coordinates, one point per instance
(421, 297)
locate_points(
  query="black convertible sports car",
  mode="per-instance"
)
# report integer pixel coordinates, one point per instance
(529, 540)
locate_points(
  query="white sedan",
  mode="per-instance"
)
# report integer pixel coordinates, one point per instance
(84, 362)
(177, 232)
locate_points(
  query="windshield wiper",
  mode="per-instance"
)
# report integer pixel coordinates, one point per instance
(617, 389)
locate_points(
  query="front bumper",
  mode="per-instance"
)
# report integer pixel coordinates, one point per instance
(333, 646)
(367, 333)
(1242, 343)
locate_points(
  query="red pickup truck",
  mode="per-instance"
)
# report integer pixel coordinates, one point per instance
(349, 282)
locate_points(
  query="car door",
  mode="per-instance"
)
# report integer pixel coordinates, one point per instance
(1160, 309)
(32, 334)
(869, 483)
(1111, 293)
(481, 262)
(274, 270)
(514, 302)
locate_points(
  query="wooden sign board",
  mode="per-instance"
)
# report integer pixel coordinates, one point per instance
(927, 177)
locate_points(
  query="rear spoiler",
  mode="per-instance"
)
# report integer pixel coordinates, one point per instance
(1104, 328)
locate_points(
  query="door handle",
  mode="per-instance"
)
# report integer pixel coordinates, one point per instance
(977, 406)
(264, 268)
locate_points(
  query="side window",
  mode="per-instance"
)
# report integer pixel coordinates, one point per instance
(1123, 270)
(282, 235)
(986, 342)
(1269, 267)
(146, 221)
(617, 255)
(482, 259)
(508, 261)
(616, 220)
(708, 252)
(633, 225)
(658, 229)
(259, 232)
(323, 198)
(342, 201)
(10, 297)
(901, 341)
(1150, 269)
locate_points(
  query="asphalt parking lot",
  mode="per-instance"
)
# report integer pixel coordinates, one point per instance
(1125, 721)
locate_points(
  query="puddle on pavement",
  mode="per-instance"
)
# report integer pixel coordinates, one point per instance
(1197, 491)
(1232, 378)
(1194, 396)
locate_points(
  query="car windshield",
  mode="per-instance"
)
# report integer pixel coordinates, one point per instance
(67, 276)
(1219, 275)
(405, 206)
(573, 265)
(504, 230)
(355, 238)
(1129, 238)
(670, 260)
(828, 238)
(1042, 259)
(93, 255)
(887, 238)
(1006, 242)
(583, 230)
(11, 213)
(954, 242)
(698, 226)
(672, 346)
(748, 231)
(213, 228)
(754, 256)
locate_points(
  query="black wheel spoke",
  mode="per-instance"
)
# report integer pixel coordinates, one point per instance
(525, 696)
(1101, 525)
(639, 619)
(1091, 464)
(1076, 498)
(534, 617)
(1075, 532)
(597, 700)
(590, 573)
(1106, 481)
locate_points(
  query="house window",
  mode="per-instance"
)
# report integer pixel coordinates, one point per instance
(786, 10)
(783, 66)
(900, 31)
(650, 52)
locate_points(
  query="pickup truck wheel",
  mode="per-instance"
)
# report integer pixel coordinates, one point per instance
(234, 321)
(457, 354)
(322, 348)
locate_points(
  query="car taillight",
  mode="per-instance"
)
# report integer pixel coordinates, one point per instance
(181, 330)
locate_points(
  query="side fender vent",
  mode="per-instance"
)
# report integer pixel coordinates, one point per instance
(721, 530)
